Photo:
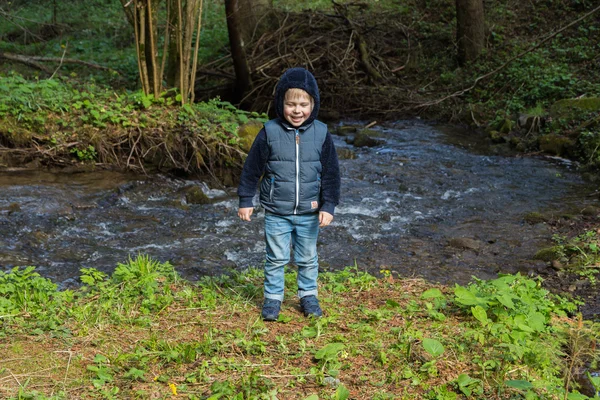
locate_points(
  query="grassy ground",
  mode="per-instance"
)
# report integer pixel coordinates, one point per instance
(143, 333)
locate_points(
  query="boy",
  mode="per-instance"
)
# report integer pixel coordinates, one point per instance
(300, 187)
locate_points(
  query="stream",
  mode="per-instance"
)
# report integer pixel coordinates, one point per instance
(431, 201)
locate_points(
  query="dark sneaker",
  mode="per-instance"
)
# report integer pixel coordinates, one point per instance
(310, 306)
(270, 309)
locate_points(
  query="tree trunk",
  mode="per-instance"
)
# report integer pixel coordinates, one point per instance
(254, 14)
(470, 30)
(238, 52)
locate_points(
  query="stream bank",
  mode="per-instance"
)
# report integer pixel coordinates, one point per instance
(434, 201)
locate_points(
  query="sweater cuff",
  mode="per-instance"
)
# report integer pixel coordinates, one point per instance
(328, 208)
(246, 202)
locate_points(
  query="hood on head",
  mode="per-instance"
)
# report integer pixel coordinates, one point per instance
(297, 78)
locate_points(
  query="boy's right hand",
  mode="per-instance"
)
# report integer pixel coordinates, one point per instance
(245, 213)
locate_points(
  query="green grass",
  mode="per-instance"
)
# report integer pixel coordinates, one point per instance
(142, 332)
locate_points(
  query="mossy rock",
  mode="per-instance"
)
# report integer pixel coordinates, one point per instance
(556, 144)
(507, 126)
(566, 107)
(496, 137)
(590, 211)
(247, 133)
(535, 218)
(364, 138)
(549, 254)
(195, 195)
(345, 130)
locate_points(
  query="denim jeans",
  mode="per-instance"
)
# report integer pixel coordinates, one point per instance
(300, 232)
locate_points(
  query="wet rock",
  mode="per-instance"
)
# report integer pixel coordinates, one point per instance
(464, 243)
(535, 218)
(557, 265)
(13, 208)
(556, 144)
(195, 195)
(530, 123)
(345, 130)
(549, 254)
(496, 137)
(364, 138)
(345, 154)
(590, 211)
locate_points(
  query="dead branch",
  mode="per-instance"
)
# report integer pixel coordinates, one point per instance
(34, 61)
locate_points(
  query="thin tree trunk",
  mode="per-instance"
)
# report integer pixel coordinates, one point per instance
(238, 52)
(470, 30)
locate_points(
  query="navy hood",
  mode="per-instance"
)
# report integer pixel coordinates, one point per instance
(297, 78)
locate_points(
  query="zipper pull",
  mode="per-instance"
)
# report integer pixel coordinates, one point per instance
(297, 137)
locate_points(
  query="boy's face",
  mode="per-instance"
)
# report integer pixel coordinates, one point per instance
(297, 106)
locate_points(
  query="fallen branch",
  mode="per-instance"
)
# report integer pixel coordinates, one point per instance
(35, 61)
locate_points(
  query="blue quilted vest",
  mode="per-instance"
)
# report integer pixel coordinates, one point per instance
(292, 180)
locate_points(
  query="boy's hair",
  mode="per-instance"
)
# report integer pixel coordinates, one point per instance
(295, 93)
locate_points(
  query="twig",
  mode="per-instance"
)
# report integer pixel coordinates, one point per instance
(61, 60)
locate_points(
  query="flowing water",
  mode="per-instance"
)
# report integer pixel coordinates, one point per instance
(428, 201)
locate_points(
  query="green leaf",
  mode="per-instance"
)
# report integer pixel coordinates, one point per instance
(537, 321)
(342, 393)
(432, 294)
(312, 397)
(480, 314)
(506, 300)
(577, 396)
(330, 351)
(433, 347)
(519, 384)
(466, 297)
(392, 303)
(99, 358)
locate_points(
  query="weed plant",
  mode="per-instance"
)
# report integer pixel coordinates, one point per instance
(142, 332)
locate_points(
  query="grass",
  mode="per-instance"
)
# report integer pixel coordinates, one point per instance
(144, 333)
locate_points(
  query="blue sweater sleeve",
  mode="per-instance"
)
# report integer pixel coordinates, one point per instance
(254, 167)
(330, 176)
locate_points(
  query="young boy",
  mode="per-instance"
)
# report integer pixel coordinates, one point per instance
(300, 187)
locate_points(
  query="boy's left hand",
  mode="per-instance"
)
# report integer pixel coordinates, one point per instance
(324, 218)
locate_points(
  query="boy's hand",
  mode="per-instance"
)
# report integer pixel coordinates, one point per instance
(245, 213)
(324, 219)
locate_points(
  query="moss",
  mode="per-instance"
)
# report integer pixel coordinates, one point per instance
(556, 144)
(364, 138)
(565, 107)
(507, 126)
(345, 130)
(248, 132)
(549, 254)
(496, 137)
(535, 218)
(195, 195)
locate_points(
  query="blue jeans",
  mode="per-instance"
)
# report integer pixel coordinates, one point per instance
(281, 232)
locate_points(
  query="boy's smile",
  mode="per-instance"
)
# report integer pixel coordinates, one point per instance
(297, 109)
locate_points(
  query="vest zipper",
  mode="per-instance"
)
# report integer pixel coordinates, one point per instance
(272, 188)
(297, 172)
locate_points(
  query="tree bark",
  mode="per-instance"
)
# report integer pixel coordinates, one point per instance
(253, 15)
(470, 30)
(238, 52)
